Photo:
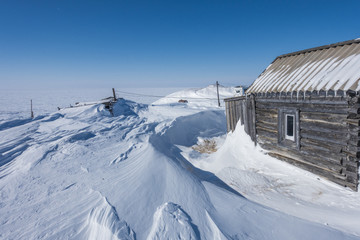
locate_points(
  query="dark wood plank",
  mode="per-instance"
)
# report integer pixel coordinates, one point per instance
(314, 169)
(332, 163)
(322, 146)
(267, 126)
(321, 117)
(266, 133)
(326, 137)
(324, 127)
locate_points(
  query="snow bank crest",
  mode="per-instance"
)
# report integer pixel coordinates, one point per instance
(217, 234)
(104, 223)
(127, 108)
(171, 222)
(197, 98)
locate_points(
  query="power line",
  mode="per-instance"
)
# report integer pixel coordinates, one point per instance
(162, 96)
(142, 95)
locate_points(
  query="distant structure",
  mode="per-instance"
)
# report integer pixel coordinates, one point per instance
(240, 91)
(305, 109)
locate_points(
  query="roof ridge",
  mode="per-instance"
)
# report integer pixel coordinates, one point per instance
(349, 42)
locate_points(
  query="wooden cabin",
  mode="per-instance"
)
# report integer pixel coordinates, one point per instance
(304, 108)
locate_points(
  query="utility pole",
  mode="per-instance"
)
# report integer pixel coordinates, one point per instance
(32, 113)
(217, 89)
(114, 94)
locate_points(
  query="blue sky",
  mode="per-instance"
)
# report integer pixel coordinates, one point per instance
(65, 44)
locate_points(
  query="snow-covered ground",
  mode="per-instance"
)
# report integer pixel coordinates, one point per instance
(15, 103)
(83, 173)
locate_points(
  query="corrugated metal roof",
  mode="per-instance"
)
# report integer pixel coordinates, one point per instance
(329, 67)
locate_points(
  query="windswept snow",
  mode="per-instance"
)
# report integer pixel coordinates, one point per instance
(199, 98)
(171, 222)
(104, 223)
(279, 185)
(15, 104)
(83, 173)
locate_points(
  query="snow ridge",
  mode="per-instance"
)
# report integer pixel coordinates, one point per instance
(84, 173)
(103, 222)
(217, 234)
(172, 222)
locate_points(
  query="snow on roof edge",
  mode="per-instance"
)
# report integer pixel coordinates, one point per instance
(321, 77)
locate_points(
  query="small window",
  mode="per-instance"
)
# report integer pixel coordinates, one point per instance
(290, 127)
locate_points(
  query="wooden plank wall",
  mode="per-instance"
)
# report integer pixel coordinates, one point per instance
(251, 118)
(241, 109)
(329, 134)
(234, 108)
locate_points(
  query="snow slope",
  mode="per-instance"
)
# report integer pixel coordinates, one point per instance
(15, 103)
(279, 185)
(82, 173)
(198, 98)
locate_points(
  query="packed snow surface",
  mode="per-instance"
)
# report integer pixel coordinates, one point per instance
(84, 173)
(15, 104)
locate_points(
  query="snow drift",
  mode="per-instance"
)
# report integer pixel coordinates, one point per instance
(171, 222)
(83, 173)
(104, 223)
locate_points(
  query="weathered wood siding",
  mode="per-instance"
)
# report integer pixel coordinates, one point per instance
(328, 137)
(234, 108)
(241, 109)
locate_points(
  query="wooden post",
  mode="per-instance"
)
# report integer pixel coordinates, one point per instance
(32, 113)
(114, 94)
(217, 89)
(253, 112)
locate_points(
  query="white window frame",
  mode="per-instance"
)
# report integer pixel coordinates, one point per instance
(283, 138)
(292, 138)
